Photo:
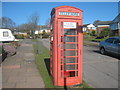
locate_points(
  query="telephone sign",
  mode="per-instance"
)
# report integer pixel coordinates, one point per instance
(69, 13)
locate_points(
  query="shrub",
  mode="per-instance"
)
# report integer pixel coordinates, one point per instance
(37, 35)
(93, 33)
(105, 32)
(3, 54)
(85, 33)
(19, 36)
(10, 49)
(15, 44)
(45, 35)
(0, 47)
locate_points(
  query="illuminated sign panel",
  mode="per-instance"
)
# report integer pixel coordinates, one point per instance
(69, 24)
(69, 13)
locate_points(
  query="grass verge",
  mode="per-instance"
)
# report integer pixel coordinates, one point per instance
(40, 61)
(41, 64)
(98, 40)
(85, 85)
(34, 40)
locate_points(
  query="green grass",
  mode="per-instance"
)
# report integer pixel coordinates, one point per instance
(40, 61)
(34, 40)
(42, 67)
(87, 37)
(85, 85)
(98, 40)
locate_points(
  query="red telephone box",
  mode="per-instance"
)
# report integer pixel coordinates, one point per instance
(66, 45)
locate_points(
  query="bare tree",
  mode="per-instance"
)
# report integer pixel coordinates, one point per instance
(24, 28)
(48, 22)
(7, 23)
(33, 22)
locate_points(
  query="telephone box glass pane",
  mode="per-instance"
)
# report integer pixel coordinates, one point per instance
(70, 67)
(71, 60)
(70, 39)
(70, 46)
(70, 53)
(70, 32)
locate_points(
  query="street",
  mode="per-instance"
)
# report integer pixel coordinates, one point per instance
(99, 71)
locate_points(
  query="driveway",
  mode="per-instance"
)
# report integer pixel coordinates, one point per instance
(99, 71)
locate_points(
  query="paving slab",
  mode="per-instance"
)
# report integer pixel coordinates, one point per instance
(20, 70)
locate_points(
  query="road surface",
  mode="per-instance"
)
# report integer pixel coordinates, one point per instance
(99, 71)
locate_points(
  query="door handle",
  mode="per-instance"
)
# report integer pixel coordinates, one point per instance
(61, 38)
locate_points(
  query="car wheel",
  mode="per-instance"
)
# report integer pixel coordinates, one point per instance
(102, 51)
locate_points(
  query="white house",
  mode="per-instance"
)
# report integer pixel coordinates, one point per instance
(88, 28)
(101, 25)
(44, 30)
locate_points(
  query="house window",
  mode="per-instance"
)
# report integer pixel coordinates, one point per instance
(5, 34)
(119, 25)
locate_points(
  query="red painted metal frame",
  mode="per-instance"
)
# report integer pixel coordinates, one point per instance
(57, 57)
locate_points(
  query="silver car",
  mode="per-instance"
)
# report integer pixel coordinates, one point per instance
(111, 45)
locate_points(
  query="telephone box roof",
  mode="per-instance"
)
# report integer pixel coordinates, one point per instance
(66, 7)
(59, 7)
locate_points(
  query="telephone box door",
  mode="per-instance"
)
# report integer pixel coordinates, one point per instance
(69, 52)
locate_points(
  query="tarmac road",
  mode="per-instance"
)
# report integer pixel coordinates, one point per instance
(99, 71)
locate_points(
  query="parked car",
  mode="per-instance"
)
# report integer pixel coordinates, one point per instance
(111, 45)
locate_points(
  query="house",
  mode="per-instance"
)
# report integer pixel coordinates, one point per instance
(44, 30)
(115, 26)
(88, 28)
(21, 33)
(101, 25)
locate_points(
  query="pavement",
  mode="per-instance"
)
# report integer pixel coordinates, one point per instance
(20, 70)
(99, 71)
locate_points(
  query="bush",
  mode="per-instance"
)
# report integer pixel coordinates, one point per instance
(105, 32)
(3, 54)
(15, 44)
(93, 33)
(0, 47)
(45, 35)
(19, 36)
(85, 33)
(10, 49)
(37, 35)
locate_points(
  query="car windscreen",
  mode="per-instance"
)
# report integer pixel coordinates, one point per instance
(109, 40)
